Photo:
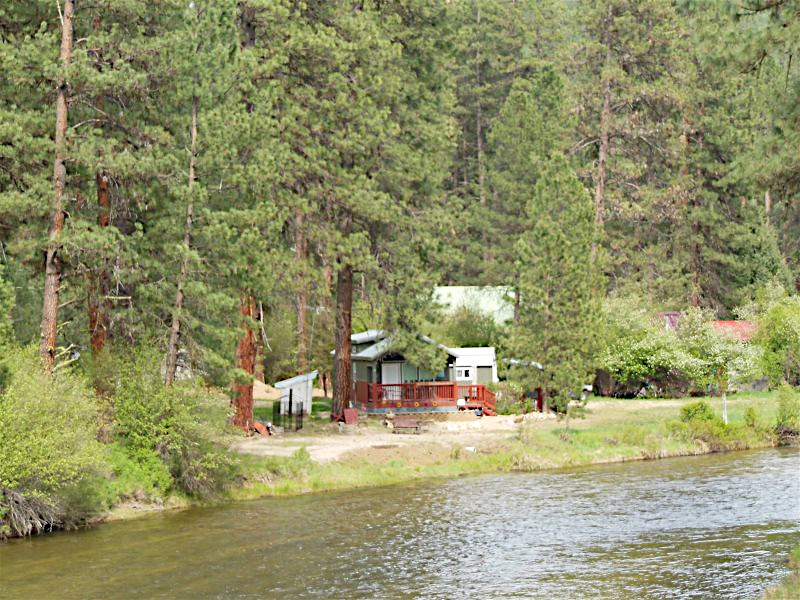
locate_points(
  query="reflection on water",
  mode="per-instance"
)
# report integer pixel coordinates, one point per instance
(716, 526)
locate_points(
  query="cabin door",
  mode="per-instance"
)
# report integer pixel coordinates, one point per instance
(392, 373)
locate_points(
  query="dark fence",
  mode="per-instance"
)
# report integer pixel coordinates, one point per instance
(293, 419)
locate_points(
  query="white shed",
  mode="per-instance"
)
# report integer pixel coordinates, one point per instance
(474, 366)
(301, 388)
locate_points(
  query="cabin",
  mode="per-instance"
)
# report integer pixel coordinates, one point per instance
(386, 382)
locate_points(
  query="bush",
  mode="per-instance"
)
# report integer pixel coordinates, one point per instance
(138, 474)
(779, 336)
(751, 418)
(47, 428)
(698, 411)
(509, 398)
(788, 417)
(179, 424)
(641, 354)
(49, 457)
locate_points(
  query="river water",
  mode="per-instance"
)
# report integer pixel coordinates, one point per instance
(716, 526)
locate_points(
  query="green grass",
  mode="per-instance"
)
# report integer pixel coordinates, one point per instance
(789, 588)
(638, 434)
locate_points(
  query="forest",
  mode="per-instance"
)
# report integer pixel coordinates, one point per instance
(194, 194)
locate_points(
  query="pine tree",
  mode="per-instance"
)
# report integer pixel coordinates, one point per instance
(631, 64)
(560, 301)
(494, 43)
(528, 130)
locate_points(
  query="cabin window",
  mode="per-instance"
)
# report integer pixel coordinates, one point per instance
(369, 374)
(462, 373)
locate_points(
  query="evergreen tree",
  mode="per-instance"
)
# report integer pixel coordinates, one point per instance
(528, 130)
(494, 43)
(631, 68)
(560, 302)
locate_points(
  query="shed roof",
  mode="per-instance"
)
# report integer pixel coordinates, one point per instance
(296, 380)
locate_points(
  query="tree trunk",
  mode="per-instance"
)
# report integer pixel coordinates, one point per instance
(98, 290)
(52, 277)
(516, 306)
(301, 253)
(175, 329)
(479, 119)
(343, 364)
(768, 207)
(245, 360)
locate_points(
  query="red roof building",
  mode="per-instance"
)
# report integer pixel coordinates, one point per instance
(740, 330)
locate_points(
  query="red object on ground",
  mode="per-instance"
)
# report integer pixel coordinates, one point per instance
(350, 415)
(261, 428)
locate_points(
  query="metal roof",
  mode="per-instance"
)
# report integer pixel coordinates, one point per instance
(370, 335)
(516, 362)
(304, 378)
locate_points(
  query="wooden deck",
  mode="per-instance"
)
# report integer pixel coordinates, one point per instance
(433, 396)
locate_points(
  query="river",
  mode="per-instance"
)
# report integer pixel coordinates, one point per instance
(715, 526)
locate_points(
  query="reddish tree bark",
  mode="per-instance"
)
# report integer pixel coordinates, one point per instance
(246, 360)
(98, 316)
(52, 277)
(343, 363)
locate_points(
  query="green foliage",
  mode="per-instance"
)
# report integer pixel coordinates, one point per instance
(751, 418)
(779, 336)
(180, 424)
(7, 300)
(698, 411)
(138, 473)
(788, 416)
(559, 287)
(511, 399)
(50, 460)
(465, 328)
(47, 429)
(641, 353)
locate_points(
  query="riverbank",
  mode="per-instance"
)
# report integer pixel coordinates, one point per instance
(614, 431)
(789, 588)
(325, 457)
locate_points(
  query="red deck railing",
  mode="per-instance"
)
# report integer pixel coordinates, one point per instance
(424, 394)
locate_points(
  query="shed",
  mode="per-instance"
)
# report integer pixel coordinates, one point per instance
(474, 366)
(302, 391)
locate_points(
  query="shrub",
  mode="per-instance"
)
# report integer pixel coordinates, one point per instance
(49, 457)
(47, 428)
(779, 337)
(138, 474)
(640, 353)
(179, 424)
(509, 398)
(698, 411)
(751, 418)
(788, 417)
